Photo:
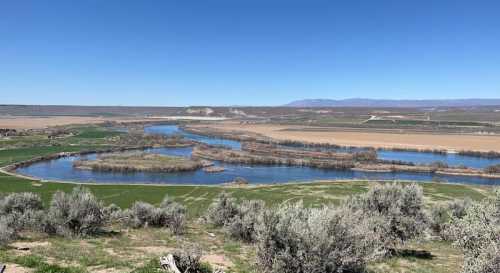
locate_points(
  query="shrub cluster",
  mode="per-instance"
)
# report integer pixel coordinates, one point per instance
(19, 211)
(436, 165)
(239, 220)
(368, 155)
(294, 239)
(441, 216)
(477, 232)
(169, 214)
(78, 213)
(188, 260)
(493, 169)
(490, 154)
(6, 231)
(401, 208)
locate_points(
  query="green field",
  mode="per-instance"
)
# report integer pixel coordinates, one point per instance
(23, 148)
(197, 198)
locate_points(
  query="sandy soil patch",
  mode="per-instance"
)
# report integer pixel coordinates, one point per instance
(14, 268)
(29, 245)
(217, 260)
(30, 122)
(449, 142)
(108, 270)
(156, 250)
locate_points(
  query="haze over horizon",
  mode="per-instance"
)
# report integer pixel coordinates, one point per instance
(166, 53)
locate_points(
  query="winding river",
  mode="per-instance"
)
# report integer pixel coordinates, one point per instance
(62, 169)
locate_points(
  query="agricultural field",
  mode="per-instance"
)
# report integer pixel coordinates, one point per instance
(367, 138)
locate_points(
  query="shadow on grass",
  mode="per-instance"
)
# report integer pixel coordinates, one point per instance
(108, 233)
(412, 253)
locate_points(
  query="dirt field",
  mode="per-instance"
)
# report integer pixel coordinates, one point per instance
(25, 122)
(379, 139)
(20, 122)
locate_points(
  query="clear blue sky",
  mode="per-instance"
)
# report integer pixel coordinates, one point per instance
(246, 52)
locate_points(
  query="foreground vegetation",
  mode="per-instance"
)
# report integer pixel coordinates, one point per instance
(122, 245)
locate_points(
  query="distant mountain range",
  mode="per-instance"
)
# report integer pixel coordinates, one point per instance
(359, 102)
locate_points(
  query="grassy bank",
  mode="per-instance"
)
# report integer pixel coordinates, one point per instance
(197, 198)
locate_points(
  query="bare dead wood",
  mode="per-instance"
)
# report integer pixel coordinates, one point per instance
(168, 263)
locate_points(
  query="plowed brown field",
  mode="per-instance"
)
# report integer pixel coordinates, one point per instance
(451, 142)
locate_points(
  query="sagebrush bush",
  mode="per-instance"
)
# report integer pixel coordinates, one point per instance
(76, 214)
(440, 216)
(459, 206)
(487, 261)
(224, 209)
(141, 214)
(293, 239)
(170, 215)
(477, 232)
(175, 214)
(476, 229)
(24, 209)
(239, 220)
(242, 225)
(401, 206)
(7, 233)
(112, 213)
(188, 260)
(20, 202)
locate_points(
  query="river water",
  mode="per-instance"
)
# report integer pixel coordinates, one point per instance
(62, 169)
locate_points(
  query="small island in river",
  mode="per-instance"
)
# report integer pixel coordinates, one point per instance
(139, 162)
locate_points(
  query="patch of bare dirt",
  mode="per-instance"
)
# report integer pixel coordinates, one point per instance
(451, 142)
(14, 268)
(29, 245)
(107, 270)
(31, 122)
(157, 250)
(217, 260)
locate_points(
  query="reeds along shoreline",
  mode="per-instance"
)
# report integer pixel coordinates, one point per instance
(490, 154)
(274, 150)
(248, 157)
(140, 139)
(110, 167)
(493, 169)
(139, 162)
(242, 157)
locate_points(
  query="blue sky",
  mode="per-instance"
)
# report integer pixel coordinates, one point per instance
(246, 52)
